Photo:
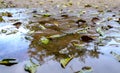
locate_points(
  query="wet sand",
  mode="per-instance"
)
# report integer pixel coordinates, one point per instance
(76, 3)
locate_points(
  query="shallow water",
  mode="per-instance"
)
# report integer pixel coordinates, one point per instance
(24, 43)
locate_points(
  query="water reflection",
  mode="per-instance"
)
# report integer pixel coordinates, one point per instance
(12, 40)
(49, 55)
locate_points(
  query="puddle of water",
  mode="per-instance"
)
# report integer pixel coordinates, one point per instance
(49, 56)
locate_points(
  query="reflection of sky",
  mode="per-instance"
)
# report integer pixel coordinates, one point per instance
(12, 43)
(17, 13)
